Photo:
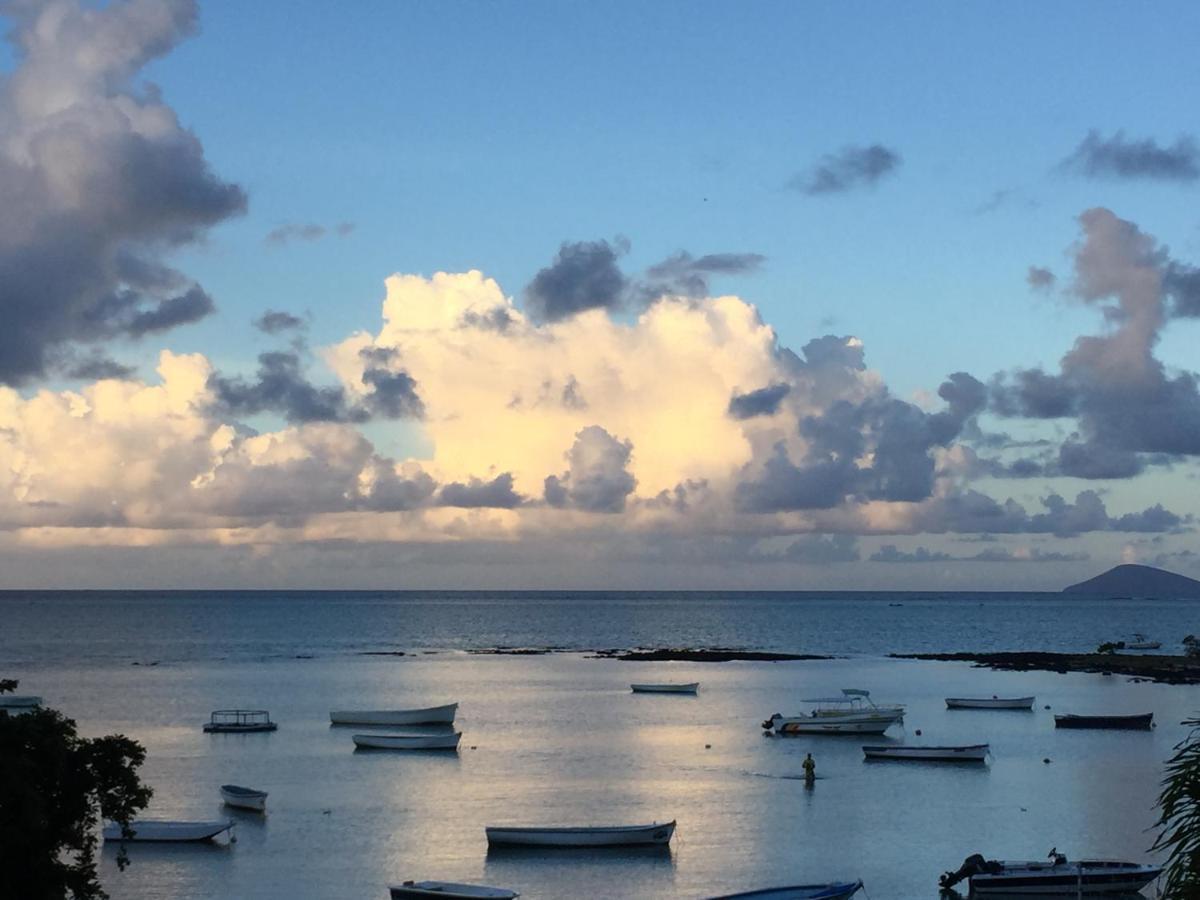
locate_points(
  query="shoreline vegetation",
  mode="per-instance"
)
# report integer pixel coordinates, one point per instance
(1140, 666)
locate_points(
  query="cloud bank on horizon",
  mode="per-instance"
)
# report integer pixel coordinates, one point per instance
(604, 415)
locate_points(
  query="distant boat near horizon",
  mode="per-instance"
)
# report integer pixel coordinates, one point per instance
(429, 715)
(448, 890)
(19, 701)
(970, 753)
(990, 702)
(834, 890)
(1140, 642)
(244, 797)
(1141, 722)
(164, 831)
(408, 741)
(572, 836)
(665, 688)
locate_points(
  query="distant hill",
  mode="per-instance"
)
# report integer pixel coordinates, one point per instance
(1137, 581)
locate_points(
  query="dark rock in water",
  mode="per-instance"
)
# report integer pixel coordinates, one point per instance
(1138, 581)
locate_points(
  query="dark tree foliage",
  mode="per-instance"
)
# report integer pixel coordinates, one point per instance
(1179, 824)
(53, 785)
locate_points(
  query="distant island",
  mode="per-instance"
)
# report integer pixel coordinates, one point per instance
(1137, 581)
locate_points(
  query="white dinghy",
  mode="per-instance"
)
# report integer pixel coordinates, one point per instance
(665, 688)
(607, 836)
(244, 797)
(992, 702)
(414, 890)
(408, 741)
(162, 831)
(430, 715)
(974, 753)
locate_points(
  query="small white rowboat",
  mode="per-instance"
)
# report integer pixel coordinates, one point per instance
(837, 890)
(163, 831)
(989, 702)
(16, 701)
(431, 715)
(665, 688)
(966, 753)
(610, 836)
(408, 741)
(414, 890)
(244, 797)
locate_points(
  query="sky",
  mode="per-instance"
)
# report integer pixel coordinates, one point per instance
(542, 295)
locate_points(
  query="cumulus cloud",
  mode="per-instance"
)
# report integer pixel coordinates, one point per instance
(276, 321)
(850, 168)
(889, 553)
(307, 232)
(688, 276)
(497, 493)
(597, 477)
(1040, 279)
(98, 181)
(762, 402)
(583, 276)
(1118, 157)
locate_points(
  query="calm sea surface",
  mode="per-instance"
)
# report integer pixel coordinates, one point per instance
(559, 739)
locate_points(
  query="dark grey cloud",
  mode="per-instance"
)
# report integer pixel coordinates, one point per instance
(583, 276)
(497, 493)
(597, 477)
(274, 321)
(849, 168)
(1117, 157)
(1040, 279)
(281, 386)
(495, 319)
(97, 367)
(92, 201)
(307, 232)
(762, 402)
(890, 553)
(1182, 283)
(818, 549)
(688, 276)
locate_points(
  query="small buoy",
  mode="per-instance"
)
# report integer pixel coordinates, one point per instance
(1047, 706)
(472, 746)
(326, 812)
(1046, 760)
(708, 746)
(917, 732)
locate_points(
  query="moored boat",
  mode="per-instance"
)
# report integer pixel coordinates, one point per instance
(430, 715)
(244, 797)
(19, 701)
(408, 741)
(963, 753)
(1054, 877)
(237, 721)
(162, 831)
(415, 890)
(690, 688)
(834, 890)
(1140, 642)
(1142, 722)
(605, 836)
(992, 702)
(851, 713)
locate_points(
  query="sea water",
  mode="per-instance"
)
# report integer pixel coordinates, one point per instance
(560, 739)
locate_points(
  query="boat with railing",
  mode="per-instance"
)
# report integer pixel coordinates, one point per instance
(239, 720)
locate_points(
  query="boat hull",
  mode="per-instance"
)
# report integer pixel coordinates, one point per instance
(164, 832)
(432, 715)
(244, 798)
(1119, 723)
(665, 688)
(14, 701)
(219, 728)
(408, 741)
(989, 702)
(1086, 878)
(615, 836)
(838, 890)
(824, 726)
(416, 890)
(974, 753)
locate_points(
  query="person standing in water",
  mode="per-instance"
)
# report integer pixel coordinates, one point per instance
(810, 769)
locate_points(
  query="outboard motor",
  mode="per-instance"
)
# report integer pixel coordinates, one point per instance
(770, 723)
(975, 864)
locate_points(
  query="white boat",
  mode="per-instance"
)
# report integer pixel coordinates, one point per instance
(851, 713)
(1055, 877)
(432, 715)
(414, 890)
(608, 836)
(834, 890)
(964, 753)
(239, 721)
(408, 741)
(665, 688)
(165, 831)
(244, 797)
(1139, 642)
(992, 702)
(17, 701)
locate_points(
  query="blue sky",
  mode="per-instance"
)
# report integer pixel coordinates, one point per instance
(459, 136)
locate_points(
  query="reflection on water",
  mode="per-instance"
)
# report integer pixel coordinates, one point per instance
(561, 740)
